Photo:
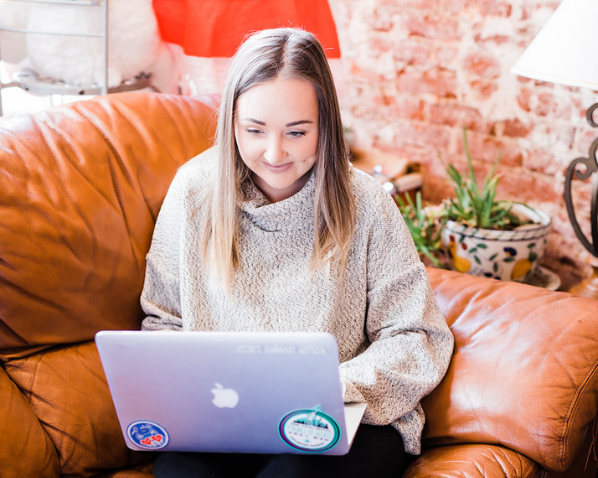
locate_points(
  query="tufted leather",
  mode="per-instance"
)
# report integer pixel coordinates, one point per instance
(81, 189)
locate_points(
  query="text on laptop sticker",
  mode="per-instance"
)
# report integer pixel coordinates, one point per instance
(148, 435)
(309, 430)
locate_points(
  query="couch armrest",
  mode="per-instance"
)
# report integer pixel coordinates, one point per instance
(524, 373)
(472, 461)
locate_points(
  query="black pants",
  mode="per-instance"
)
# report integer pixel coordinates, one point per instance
(376, 452)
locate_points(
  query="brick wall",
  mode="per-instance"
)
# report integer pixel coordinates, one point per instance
(415, 72)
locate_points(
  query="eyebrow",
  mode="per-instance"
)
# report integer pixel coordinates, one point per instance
(288, 125)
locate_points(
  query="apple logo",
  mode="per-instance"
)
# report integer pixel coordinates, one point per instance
(224, 397)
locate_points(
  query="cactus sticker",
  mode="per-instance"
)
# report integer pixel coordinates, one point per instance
(309, 430)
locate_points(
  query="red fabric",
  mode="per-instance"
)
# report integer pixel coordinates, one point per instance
(216, 28)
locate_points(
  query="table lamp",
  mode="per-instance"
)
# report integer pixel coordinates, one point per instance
(563, 52)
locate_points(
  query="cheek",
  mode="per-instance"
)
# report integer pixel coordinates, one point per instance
(311, 148)
(247, 149)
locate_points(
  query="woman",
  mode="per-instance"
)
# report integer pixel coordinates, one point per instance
(273, 230)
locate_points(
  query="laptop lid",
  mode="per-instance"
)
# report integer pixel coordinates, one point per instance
(228, 392)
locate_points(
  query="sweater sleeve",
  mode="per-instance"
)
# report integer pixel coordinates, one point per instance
(160, 298)
(410, 343)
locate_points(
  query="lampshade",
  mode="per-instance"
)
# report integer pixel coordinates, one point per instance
(566, 49)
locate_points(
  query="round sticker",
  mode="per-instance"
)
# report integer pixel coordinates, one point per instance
(148, 435)
(309, 430)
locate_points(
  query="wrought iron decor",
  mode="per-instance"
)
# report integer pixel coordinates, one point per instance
(591, 166)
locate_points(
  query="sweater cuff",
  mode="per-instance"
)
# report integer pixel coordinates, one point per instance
(350, 392)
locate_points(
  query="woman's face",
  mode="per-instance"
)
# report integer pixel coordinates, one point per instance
(276, 129)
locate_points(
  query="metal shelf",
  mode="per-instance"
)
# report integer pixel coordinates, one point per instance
(45, 32)
(30, 81)
(84, 3)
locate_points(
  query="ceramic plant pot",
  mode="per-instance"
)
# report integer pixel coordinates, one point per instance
(506, 255)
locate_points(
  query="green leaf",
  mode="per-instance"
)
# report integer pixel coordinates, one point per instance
(475, 204)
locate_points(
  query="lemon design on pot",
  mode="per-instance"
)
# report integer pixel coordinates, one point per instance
(522, 266)
(506, 255)
(459, 264)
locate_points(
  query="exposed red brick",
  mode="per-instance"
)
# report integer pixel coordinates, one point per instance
(540, 160)
(545, 104)
(413, 52)
(528, 187)
(484, 88)
(584, 140)
(432, 26)
(523, 100)
(494, 8)
(516, 128)
(425, 136)
(452, 114)
(408, 108)
(365, 75)
(441, 84)
(452, 61)
(494, 39)
(446, 55)
(550, 105)
(429, 5)
(488, 149)
(482, 65)
(381, 19)
(381, 43)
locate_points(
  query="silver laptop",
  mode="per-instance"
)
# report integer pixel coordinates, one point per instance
(228, 392)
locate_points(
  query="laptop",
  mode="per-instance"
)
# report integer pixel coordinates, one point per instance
(228, 392)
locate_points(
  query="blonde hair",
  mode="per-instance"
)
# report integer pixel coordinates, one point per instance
(265, 56)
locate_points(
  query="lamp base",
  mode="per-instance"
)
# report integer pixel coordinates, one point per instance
(589, 286)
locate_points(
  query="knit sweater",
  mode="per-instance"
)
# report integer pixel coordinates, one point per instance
(394, 345)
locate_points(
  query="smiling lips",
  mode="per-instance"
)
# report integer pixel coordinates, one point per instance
(278, 168)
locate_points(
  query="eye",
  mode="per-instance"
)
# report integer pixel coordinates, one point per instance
(296, 134)
(254, 131)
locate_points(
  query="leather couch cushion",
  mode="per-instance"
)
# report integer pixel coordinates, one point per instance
(524, 372)
(26, 449)
(67, 390)
(472, 461)
(82, 185)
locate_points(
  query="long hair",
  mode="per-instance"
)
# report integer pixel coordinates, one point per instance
(265, 56)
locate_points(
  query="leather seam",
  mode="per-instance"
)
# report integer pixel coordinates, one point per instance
(572, 411)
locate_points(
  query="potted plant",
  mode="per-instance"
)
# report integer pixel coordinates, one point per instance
(425, 226)
(488, 237)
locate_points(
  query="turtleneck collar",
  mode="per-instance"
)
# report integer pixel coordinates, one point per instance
(284, 215)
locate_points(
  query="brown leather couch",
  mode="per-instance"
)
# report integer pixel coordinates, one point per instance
(80, 188)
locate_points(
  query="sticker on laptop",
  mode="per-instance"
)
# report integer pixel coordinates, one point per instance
(148, 435)
(309, 430)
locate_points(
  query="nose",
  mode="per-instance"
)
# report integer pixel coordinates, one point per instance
(275, 152)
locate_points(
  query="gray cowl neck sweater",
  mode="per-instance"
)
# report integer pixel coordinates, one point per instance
(394, 345)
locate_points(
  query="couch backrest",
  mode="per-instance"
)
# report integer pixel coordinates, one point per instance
(524, 373)
(80, 189)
